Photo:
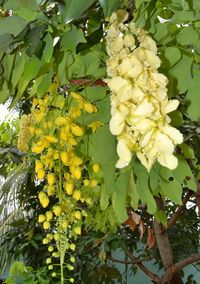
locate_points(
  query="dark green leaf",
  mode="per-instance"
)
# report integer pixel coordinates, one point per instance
(119, 197)
(173, 55)
(72, 38)
(109, 6)
(48, 50)
(12, 25)
(172, 190)
(188, 36)
(73, 9)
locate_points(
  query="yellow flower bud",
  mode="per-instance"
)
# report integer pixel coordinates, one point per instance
(77, 195)
(49, 236)
(77, 130)
(41, 218)
(46, 225)
(51, 139)
(55, 155)
(50, 248)
(45, 241)
(72, 246)
(77, 215)
(64, 158)
(40, 174)
(86, 182)
(57, 210)
(56, 236)
(88, 108)
(49, 215)
(69, 188)
(93, 183)
(71, 280)
(61, 121)
(50, 267)
(51, 178)
(38, 165)
(77, 172)
(77, 230)
(96, 168)
(88, 201)
(48, 260)
(43, 198)
(50, 190)
(72, 259)
(64, 224)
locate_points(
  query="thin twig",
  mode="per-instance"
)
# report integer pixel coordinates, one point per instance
(149, 273)
(178, 211)
(128, 262)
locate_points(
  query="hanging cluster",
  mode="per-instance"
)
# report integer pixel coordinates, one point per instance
(24, 134)
(69, 177)
(139, 102)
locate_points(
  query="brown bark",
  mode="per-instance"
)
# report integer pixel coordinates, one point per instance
(165, 250)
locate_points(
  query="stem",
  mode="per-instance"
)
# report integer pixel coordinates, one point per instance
(60, 193)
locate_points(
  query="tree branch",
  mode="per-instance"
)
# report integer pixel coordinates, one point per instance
(168, 275)
(126, 261)
(178, 211)
(149, 273)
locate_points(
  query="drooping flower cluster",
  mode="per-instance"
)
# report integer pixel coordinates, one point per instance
(70, 178)
(24, 133)
(139, 102)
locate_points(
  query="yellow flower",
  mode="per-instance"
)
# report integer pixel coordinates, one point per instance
(65, 158)
(77, 130)
(96, 125)
(38, 115)
(77, 172)
(45, 241)
(37, 149)
(49, 215)
(46, 225)
(61, 121)
(43, 198)
(77, 195)
(69, 188)
(88, 107)
(77, 215)
(38, 165)
(77, 161)
(64, 224)
(57, 210)
(56, 236)
(40, 174)
(96, 168)
(50, 190)
(51, 139)
(51, 178)
(77, 230)
(41, 218)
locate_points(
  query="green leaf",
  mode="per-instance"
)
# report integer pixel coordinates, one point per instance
(132, 191)
(181, 17)
(72, 38)
(48, 50)
(161, 216)
(74, 9)
(193, 98)
(182, 72)
(187, 151)
(143, 190)
(5, 41)
(4, 93)
(18, 68)
(172, 190)
(12, 25)
(173, 55)
(183, 174)
(44, 85)
(31, 69)
(177, 5)
(119, 197)
(23, 8)
(109, 6)
(104, 198)
(188, 36)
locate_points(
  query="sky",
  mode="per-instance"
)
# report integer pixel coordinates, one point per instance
(5, 113)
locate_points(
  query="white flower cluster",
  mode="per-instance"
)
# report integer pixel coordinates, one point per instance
(139, 102)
